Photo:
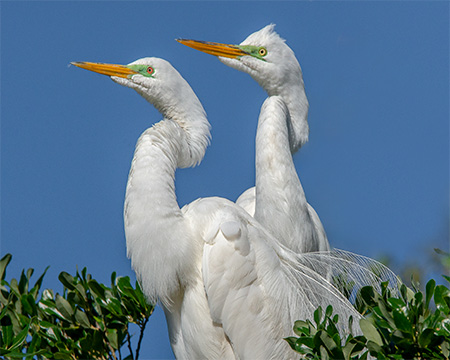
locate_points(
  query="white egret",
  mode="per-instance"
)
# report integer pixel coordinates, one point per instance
(277, 201)
(228, 289)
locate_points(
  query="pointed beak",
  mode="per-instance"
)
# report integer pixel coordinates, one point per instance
(216, 49)
(106, 69)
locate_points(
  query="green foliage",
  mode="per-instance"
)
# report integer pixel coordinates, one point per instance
(88, 321)
(407, 327)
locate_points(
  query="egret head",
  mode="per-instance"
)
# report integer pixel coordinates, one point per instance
(162, 85)
(153, 78)
(267, 58)
(264, 55)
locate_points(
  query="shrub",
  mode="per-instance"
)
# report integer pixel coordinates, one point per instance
(406, 327)
(88, 321)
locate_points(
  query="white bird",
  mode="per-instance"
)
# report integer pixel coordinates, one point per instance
(278, 200)
(228, 289)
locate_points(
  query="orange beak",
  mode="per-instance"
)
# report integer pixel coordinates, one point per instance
(106, 69)
(216, 49)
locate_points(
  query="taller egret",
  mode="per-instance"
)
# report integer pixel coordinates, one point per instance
(277, 201)
(228, 288)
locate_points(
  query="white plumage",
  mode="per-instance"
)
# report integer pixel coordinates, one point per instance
(228, 288)
(277, 201)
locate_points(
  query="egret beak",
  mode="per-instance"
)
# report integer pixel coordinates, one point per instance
(216, 49)
(106, 69)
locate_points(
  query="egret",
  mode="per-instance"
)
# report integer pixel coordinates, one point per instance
(229, 290)
(278, 200)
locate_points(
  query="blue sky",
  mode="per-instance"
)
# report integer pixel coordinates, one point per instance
(376, 167)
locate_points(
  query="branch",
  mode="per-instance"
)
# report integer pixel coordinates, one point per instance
(140, 337)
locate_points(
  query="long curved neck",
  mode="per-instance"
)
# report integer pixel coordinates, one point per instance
(280, 200)
(158, 237)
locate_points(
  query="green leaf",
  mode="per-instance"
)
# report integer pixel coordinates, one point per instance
(291, 341)
(328, 342)
(111, 334)
(440, 295)
(7, 335)
(67, 280)
(323, 353)
(328, 311)
(396, 303)
(35, 290)
(62, 356)
(114, 306)
(21, 337)
(370, 332)
(3, 264)
(347, 350)
(28, 303)
(306, 341)
(82, 319)
(301, 327)
(429, 291)
(426, 337)
(64, 307)
(318, 315)
(97, 288)
(402, 323)
(47, 294)
(48, 307)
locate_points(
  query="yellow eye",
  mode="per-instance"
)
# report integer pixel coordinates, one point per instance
(262, 52)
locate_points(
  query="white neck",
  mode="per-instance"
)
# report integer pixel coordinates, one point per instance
(280, 200)
(154, 223)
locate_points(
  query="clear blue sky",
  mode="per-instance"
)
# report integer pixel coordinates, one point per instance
(376, 167)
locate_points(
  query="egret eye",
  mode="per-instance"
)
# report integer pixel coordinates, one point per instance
(150, 70)
(262, 51)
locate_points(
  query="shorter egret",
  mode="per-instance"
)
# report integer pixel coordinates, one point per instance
(278, 200)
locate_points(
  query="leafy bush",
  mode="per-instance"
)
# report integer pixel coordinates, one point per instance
(88, 321)
(407, 327)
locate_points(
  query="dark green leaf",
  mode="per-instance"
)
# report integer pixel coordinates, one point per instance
(97, 288)
(368, 295)
(7, 335)
(426, 337)
(328, 311)
(62, 356)
(28, 304)
(401, 322)
(35, 290)
(23, 282)
(67, 280)
(318, 315)
(21, 337)
(429, 291)
(291, 341)
(3, 264)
